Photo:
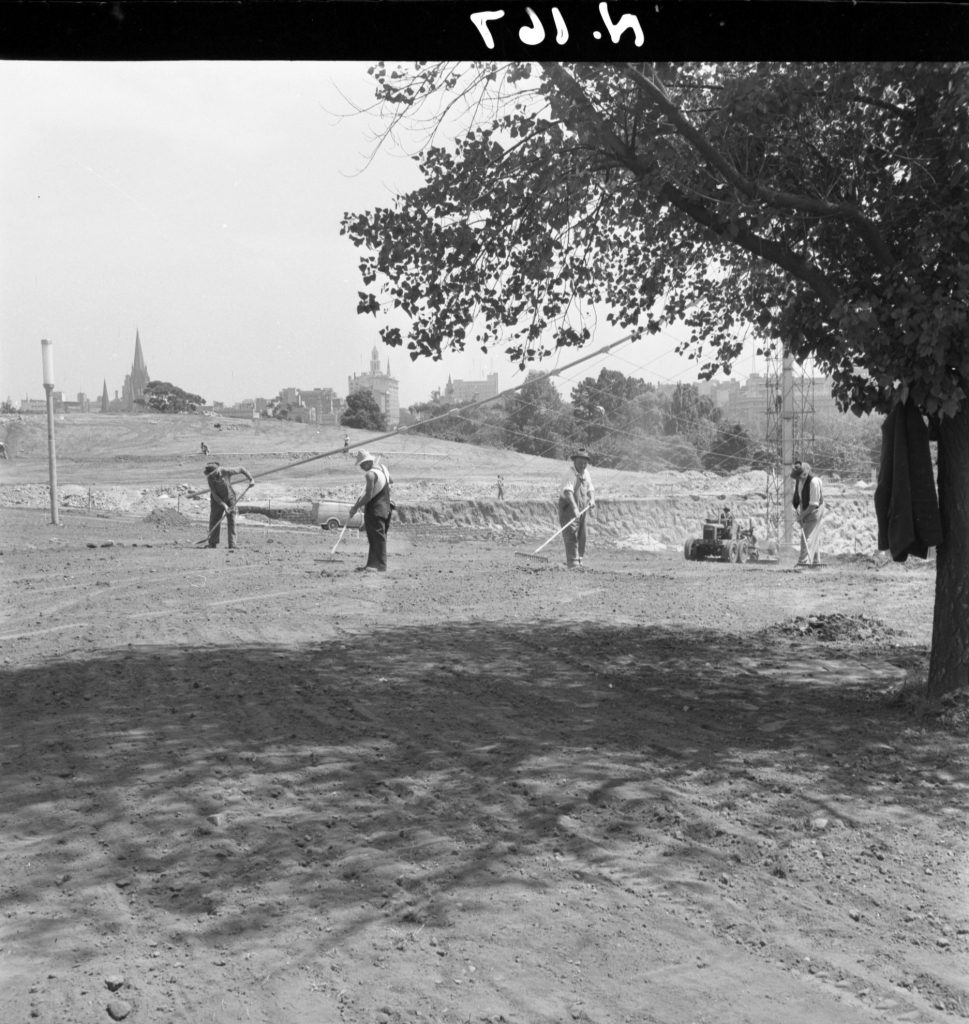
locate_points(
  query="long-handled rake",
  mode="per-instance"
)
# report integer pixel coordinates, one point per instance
(544, 558)
(333, 556)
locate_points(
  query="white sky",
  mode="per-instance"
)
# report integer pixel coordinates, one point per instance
(200, 203)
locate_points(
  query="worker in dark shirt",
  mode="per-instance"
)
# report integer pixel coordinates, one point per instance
(222, 501)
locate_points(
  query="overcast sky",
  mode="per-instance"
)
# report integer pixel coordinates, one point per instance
(199, 203)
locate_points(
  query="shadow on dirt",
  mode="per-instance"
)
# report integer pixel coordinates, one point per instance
(390, 777)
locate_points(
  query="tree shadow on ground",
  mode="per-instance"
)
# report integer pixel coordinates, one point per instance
(387, 777)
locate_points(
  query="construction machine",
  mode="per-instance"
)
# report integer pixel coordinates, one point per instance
(724, 539)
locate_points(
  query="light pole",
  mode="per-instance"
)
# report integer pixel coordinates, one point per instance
(47, 353)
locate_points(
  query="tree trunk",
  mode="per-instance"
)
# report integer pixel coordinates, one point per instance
(949, 663)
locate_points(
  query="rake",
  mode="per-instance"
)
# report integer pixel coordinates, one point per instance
(333, 556)
(544, 558)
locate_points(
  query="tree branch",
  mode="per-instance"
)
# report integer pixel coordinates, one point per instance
(744, 238)
(752, 189)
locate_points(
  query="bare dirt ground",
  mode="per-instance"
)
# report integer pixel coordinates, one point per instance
(260, 786)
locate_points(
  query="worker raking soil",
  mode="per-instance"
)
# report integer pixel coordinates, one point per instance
(377, 508)
(223, 501)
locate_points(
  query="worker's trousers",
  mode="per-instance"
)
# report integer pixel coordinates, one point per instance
(811, 538)
(216, 513)
(376, 527)
(574, 535)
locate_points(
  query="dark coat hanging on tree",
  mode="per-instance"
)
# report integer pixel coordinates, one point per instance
(905, 499)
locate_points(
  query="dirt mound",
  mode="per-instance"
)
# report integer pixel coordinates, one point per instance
(167, 517)
(835, 628)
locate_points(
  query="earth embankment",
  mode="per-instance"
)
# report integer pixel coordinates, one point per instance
(132, 465)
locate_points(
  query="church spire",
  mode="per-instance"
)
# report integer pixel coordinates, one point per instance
(104, 397)
(138, 368)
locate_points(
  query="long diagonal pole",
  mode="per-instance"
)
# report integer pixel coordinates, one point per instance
(464, 408)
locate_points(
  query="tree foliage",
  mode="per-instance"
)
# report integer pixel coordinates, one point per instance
(164, 397)
(362, 412)
(451, 422)
(732, 449)
(625, 421)
(537, 419)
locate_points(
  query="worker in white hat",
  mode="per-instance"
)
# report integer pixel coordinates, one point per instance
(377, 507)
(577, 498)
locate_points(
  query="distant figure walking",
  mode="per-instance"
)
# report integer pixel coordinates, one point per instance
(3, 450)
(222, 501)
(346, 444)
(501, 488)
(205, 448)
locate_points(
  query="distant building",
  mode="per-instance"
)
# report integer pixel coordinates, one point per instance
(458, 392)
(82, 404)
(245, 410)
(324, 405)
(746, 403)
(382, 386)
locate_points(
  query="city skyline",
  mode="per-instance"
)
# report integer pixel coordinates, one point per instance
(200, 204)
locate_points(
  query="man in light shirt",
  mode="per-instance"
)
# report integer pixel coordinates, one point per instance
(377, 507)
(576, 501)
(808, 508)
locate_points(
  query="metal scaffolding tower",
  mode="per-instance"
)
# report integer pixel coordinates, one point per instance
(789, 435)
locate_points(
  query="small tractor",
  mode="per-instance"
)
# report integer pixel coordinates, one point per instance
(723, 539)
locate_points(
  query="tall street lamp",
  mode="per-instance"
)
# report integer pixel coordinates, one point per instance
(47, 353)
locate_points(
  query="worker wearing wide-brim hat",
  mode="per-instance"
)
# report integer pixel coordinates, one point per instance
(576, 500)
(377, 507)
(222, 501)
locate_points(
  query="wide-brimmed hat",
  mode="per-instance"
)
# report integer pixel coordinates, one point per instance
(364, 456)
(581, 453)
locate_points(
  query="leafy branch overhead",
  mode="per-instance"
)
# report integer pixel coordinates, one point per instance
(825, 204)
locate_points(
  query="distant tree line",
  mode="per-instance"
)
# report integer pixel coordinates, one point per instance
(628, 424)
